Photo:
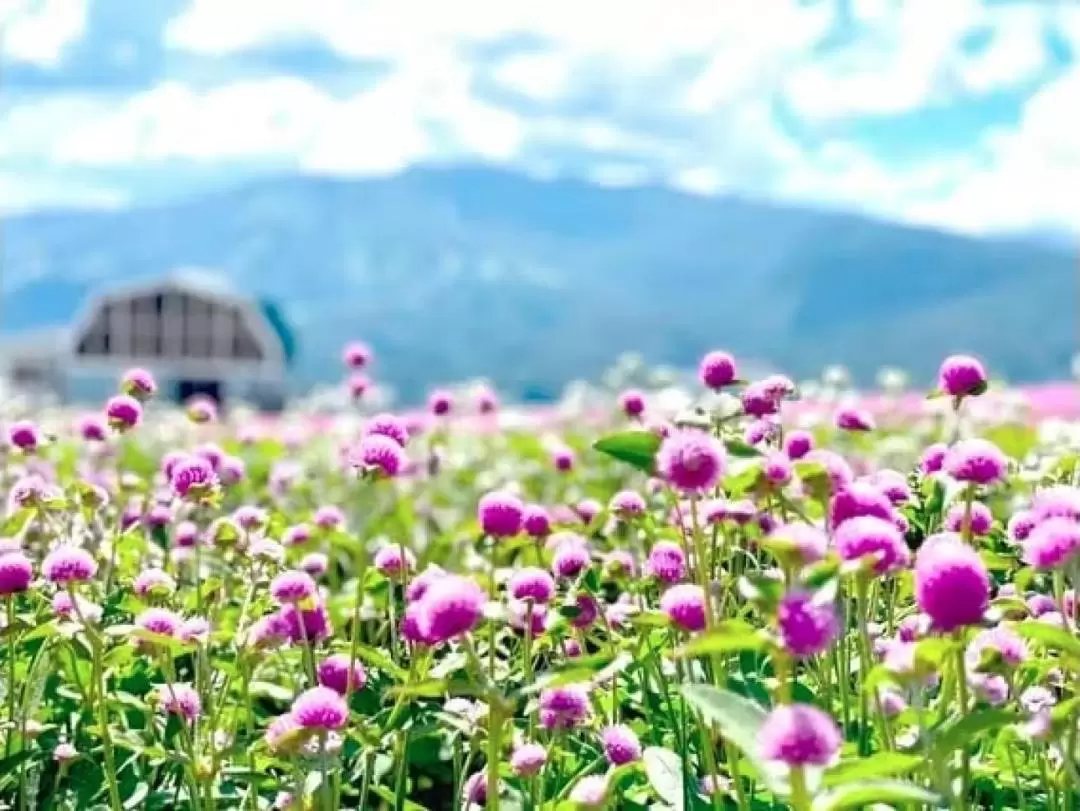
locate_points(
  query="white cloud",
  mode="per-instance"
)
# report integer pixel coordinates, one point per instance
(38, 31)
(21, 192)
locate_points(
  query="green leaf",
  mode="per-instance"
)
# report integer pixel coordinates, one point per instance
(664, 770)
(863, 795)
(883, 764)
(740, 449)
(637, 448)
(961, 732)
(376, 658)
(270, 690)
(739, 719)
(137, 796)
(1050, 636)
(731, 636)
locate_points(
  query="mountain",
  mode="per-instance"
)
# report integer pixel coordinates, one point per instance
(459, 272)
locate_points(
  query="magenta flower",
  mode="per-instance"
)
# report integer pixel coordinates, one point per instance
(450, 607)
(16, 573)
(685, 606)
(621, 745)
(1052, 544)
(392, 559)
(981, 519)
(666, 562)
(153, 583)
(628, 504)
(717, 370)
(193, 478)
(859, 499)
(180, 699)
(159, 622)
(528, 759)
(123, 412)
(307, 624)
(441, 403)
(976, 461)
(535, 521)
(390, 426)
(798, 443)
(532, 584)
(570, 560)
(962, 376)
(952, 585)
(564, 707)
(334, 673)
(854, 419)
(806, 628)
(293, 587)
(138, 383)
(356, 355)
(320, 709)
(691, 461)
(632, 403)
(67, 565)
(24, 435)
(871, 537)
(380, 454)
(799, 735)
(500, 514)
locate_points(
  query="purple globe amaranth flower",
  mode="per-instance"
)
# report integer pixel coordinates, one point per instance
(123, 412)
(186, 534)
(201, 410)
(854, 419)
(995, 648)
(692, 461)
(806, 627)
(587, 509)
(619, 562)
(871, 537)
(807, 543)
(621, 745)
(392, 559)
(194, 630)
(180, 699)
(474, 791)
(535, 521)
(762, 430)
(522, 615)
(976, 461)
(159, 622)
(418, 586)
(590, 792)
(153, 583)
(717, 370)
(138, 383)
(1058, 501)
(315, 564)
(296, 535)
(836, 467)
(961, 376)
(952, 584)
(320, 709)
(632, 403)
(587, 610)
(358, 384)
(500, 514)
(388, 425)
(798, 443)
(859, 499)
(356, 355)
(564, 707)
(193, 478)
(283, 736)
(441, 403)
(451, 606)
(328, 516)
(799, 735)
(570, 559)
(304, 624)
(24, 435)
(92, 428)
(16, 573)
(334, 672)
(981, 520)
(528, 759)
(685, 606)
(487, 402)
(628, 504)
(293, 587)
(1052, 544)
(380, 454)
(933, 458)
(759, 401)
(777, 469)
(666, 562)
(67, 564)
(563, 459)
(892, 484)
(531, 584)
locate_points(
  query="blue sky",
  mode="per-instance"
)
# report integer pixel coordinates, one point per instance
(958, 113)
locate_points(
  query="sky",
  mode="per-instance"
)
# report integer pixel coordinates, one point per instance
(960, 114)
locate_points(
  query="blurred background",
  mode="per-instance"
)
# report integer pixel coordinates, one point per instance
(227, 191)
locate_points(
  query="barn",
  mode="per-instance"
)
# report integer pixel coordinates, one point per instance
(190, 329)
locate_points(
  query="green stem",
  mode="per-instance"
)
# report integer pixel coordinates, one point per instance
(962, 696)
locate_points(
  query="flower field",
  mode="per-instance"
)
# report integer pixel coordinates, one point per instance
(747, 604)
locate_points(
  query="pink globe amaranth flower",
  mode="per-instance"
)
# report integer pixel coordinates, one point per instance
(1052, 543)
(500, 514)
(691, 461)
(859, 499)
(24, 435)
(867, 535)
(388, 425)
(418, 586)
(982, 520)
(293, 587)
(187, 534)
(806, 627)
(410, 626)
(138, 383)
(995, 647)
(1039, 604)
(717, 370)
(153, 583)
(201, 410)
(159, 621)
(65, 752)
(587, 509)
(356, 355)
(333, 672)
(531, 584)
(212, 454)
(267, 632)
(329, 516)
(1059, 501)
(685, 606)
(799, 735)
(303, 624)
(250, 517)
(441, 403)
(836, 467)
(854, 419)
(564, 707)
(487, 402)
(590, 792)
(628, 504)
(952, 585)
(451, 606)
(535, 521)
(528, 759)
(893, 484)
(933, 458)
(976, 461)
(158, 517)
(776, 468)
(123, 412)
(587, 610)
(232, 470)
(961, 376)
(296, 535)
(523, 614)
(666, 562)
(571, 648)
(758, 401)
(67, 564)
(808, 543)
(315, 564)
(358, 385)
(380, 454)
(621, 745)
(798, 443)
(92, 428)
(194, 630)
(392, 559)
(563, 459)
(632, 403)
(762, 430)
(283, 734)
(16, 573)
(320, 708)
(619, 562)
(193, 478)
(570, 560)
(180, 699)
